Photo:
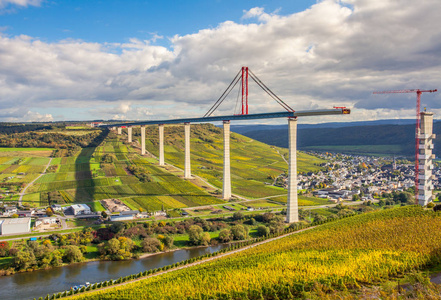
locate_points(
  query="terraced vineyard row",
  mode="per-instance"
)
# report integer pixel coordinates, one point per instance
(362, 250)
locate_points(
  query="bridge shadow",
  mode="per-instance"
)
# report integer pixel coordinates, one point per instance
(83, 168)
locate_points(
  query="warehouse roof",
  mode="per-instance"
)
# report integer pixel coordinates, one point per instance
(15, 221)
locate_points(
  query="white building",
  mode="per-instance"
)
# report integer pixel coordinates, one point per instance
(79, 209)
(115, 218)
(15, 226)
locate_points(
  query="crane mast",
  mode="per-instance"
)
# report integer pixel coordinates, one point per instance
(417, 127)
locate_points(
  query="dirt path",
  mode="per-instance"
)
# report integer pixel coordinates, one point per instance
(200, 262)
(32, 182)
(436, 278)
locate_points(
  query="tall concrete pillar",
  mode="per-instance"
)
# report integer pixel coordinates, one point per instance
(187, 165)
(161, 144)
(292, 212)
(119, 130)
(226, 191)
(142, 139)
(129, 134)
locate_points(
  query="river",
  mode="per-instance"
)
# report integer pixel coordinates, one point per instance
(39, 283)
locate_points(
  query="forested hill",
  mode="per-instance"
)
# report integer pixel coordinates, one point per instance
(374, 139)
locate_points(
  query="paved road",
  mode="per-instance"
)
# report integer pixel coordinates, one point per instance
(32, 182)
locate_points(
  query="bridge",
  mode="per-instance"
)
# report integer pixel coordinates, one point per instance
(291, 115)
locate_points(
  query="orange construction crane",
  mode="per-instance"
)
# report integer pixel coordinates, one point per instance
(417, 129)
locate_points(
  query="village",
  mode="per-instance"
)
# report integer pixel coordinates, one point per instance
(356, 177)
(343, 178)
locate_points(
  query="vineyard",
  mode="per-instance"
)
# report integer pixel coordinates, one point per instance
(103, 172)
(252, 163)
(346, 254)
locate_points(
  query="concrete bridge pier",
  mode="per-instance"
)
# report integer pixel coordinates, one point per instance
(187, 164)
(142, 139)
(119, 130)
(129, 134)
(161, 144)
(226, 190)
(292, 212)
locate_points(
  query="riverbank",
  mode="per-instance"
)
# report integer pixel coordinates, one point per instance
(29, 285)
(205, 260)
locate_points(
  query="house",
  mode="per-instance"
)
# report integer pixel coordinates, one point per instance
(9, 210)
(325, 192)
(78, 209)
(15, 226)
(56, 207)
(25, 213)
(160, 214)
(47, 221)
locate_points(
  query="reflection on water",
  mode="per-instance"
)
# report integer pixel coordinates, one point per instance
(40, 283)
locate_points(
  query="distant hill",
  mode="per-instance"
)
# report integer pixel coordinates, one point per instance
(381, 139)
(255, 127)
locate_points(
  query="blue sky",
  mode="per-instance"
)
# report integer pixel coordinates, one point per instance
(82, 60)
(115, 21)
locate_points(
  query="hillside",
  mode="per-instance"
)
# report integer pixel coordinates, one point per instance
(114, 169)
(252, 162)
(384, 139)
(363, 250)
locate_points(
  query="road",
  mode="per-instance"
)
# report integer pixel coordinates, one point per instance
(32, 182)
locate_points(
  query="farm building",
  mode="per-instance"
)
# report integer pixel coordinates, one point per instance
(115, 218)
(125, 215)
(78, 209)
(15, 226)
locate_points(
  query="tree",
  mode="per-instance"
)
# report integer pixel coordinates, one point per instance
(49, 212)
(205, 239)
(4, 249)
(262, 230)
(355, 197)
(24, 259)
(225, 236)
(238, 216)
(239, 232)
(57, 258)
(104, 214)
(168, 241)
(195, 234)
(73, 254)
(117, 227)
(151, 245)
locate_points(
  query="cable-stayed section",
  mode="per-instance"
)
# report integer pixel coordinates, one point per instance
(242, 76)
(269, 92)
(224, 95)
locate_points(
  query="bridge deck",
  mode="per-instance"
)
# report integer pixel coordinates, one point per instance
(285, 114)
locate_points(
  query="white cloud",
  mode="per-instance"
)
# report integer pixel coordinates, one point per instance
(334, 53)
(22, 3)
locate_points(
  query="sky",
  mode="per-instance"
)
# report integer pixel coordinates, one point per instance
(147, 60)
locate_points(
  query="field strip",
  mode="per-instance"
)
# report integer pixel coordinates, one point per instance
(32, 182)
(200, 262)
